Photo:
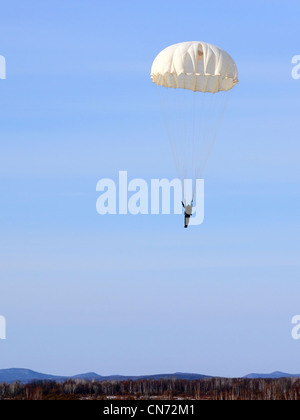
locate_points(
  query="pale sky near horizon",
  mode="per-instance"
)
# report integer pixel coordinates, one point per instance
(139, 294)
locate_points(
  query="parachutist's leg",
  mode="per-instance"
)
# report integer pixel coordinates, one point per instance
(187, 221)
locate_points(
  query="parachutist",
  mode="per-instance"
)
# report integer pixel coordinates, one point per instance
(188, 211)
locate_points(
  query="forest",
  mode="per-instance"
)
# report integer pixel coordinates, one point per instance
(164, 389)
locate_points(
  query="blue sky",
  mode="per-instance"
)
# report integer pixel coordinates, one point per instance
(137, 295)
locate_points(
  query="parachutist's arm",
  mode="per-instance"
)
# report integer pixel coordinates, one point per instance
(182, 204)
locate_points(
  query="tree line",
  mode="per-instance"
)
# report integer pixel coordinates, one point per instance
(164, 389)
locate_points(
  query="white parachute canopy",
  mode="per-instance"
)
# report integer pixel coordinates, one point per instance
(199, 76)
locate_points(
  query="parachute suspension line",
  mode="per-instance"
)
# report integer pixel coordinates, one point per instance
(192, 124)
(168, 129)
(202, 139)
(184, 144)
(212, 119)
(178, 131)
(178, 116)
(213, 138)
(189, 140)
(180, 122)
(207, 130)
(199, 136)
(193, 132)
(217, 127)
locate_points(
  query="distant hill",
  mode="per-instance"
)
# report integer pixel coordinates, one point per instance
(26, 376)
(274, 375)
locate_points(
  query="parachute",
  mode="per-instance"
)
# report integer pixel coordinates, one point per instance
(193, 80)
